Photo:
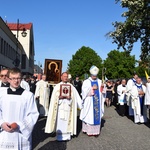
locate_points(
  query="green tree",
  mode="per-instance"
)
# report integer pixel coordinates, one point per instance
(119, 65)
(143, 66)
(136, 26)
(82, 61)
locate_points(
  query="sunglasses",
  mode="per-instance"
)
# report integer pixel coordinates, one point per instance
(3, 75)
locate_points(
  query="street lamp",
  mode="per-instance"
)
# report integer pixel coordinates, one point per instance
(24, 33)
(16, 62)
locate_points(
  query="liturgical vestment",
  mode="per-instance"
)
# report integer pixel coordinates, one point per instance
(62, 115)
(93, 106)
(43, 92)
(140, 114)
(17, 106)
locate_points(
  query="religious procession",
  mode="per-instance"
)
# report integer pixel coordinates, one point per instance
(24, 101)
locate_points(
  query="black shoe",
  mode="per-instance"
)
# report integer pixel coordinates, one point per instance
(96, 136)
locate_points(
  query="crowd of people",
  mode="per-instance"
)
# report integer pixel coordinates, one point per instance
(23, 100)
(130, 97)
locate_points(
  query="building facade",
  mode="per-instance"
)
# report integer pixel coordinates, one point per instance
(10, 48)
(17, 46)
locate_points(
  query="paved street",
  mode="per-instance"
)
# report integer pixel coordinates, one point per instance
(118, 133)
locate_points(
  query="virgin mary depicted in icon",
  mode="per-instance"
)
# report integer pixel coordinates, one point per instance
(53, 72)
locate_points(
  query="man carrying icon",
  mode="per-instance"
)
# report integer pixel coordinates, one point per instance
(62, 115)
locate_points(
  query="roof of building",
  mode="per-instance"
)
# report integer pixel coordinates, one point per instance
(21, 26)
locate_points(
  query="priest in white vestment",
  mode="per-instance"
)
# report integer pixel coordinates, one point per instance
(93, 104)
(42, 94)
(130, 84)
(18, 114)
(62, 115)
(24, 84)
(137, 100)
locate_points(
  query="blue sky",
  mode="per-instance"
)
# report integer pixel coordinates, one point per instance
(61, 27)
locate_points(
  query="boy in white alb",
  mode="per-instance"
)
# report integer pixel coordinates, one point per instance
(18, 114)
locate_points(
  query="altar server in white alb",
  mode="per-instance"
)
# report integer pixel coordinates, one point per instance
(62, 116)
(18, 114)
(42, 94)
(121, 90)
(137, 98)
(93, 104)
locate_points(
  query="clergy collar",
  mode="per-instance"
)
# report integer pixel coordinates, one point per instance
(14, 91)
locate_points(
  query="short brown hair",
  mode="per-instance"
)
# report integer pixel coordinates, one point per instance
(13, 71)
(4, 69)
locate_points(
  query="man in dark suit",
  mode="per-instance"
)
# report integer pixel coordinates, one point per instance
(77, 84)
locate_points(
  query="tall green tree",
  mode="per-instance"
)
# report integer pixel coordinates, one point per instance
(82, 61)
(136, 26)
(119, 65)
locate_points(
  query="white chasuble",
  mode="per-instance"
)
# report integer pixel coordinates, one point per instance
(62, 115)
(43, 92)
(87, 113)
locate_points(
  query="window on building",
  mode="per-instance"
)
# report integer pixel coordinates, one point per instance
(6, 52)
(4, 47)
(31, 63)
(13, 54)
(9, 51)
(23, 61)
(31, 47)
(1, 45)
